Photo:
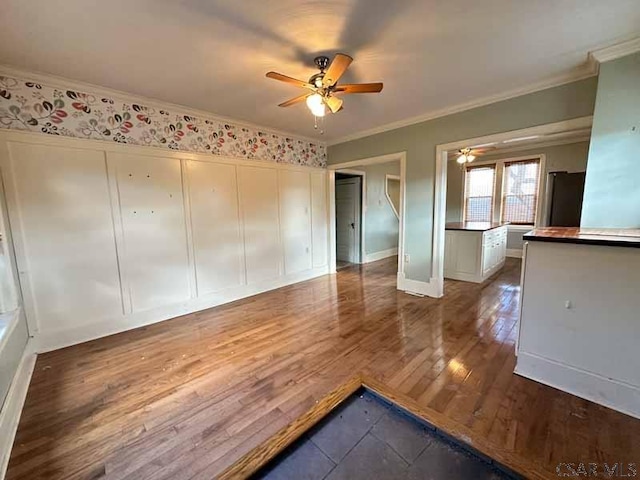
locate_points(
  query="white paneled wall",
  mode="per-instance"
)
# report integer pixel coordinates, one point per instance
(295, 212)
(215, 226)
(261, 222)
(154, 235)
(60, 214)
(110, 237)
(319, 215)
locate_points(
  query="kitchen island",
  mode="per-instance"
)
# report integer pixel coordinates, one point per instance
(579, 325)
(474, 251)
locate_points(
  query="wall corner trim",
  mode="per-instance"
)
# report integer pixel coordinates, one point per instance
(12, 407)
(615, 51)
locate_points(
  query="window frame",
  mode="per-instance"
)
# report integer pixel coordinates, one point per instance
(476, 166)
(499, 184)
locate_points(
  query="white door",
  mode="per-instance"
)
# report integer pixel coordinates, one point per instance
(348, 219)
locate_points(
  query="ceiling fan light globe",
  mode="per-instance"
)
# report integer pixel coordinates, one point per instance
(471, 158)
(319, 110)
(314, 101)
(461, 159)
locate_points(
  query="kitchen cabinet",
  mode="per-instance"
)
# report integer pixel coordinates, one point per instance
(474, 251)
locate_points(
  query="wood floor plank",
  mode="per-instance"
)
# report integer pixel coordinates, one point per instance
(189, 397)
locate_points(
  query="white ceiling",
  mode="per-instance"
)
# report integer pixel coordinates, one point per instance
(212, 54)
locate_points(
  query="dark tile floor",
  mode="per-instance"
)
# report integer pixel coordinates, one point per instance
(366, 438)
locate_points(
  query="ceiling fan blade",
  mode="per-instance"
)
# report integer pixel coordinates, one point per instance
(359, 88)
(337, 68)
(291, 80)
(334, 104)
(294, 100)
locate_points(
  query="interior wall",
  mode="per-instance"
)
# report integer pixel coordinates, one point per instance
(612, 185)
(14, 333)
(381, 223)
(419, 141)
(12, 348)
(570, 157)
(111, 237)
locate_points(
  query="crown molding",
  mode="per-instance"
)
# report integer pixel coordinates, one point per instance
(589, 69)
(68, 84)
(615, 51)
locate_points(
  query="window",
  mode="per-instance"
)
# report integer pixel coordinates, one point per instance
(505, 190)
(478, 193)
(520, 192)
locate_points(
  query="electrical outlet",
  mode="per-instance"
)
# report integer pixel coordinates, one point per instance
(407, 258)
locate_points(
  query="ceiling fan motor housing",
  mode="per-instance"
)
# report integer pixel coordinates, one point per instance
(316, 80)
(322, 62)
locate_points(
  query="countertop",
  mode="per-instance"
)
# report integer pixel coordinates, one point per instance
(474, 226)
(589, 236)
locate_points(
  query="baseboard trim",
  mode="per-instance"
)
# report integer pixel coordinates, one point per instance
(46, 341)
(514, 252)
(12, 407)
(374, 257)
(618, 396)
(432, 288)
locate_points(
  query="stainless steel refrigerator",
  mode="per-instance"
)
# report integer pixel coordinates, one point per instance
(564, 198)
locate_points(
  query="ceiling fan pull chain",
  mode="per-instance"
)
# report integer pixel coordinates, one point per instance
(315, 124)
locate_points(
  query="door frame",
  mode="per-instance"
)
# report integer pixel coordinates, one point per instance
(347, 168)
(361, 216)
(440, 194)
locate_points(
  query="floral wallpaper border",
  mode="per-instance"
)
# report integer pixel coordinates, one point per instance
(37, 107)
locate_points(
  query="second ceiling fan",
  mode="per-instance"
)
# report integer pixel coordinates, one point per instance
(322, 88)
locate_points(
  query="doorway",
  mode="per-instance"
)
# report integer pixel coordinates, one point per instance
(378, 233)
(348, 200)
(497, 151)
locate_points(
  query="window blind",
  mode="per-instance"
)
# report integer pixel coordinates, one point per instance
(520, 192)
(478, 193)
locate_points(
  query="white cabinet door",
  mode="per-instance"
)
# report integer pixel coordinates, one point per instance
(260, 221)
(155, 244)
(319, 231)
(60, 212)
(487, 260)
(215, 226)
(467, 253)
(295, 220)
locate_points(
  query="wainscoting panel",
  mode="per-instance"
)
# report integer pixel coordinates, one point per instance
(112, 237)
(59, 209)
(261, 222)
(154, 230)
(319, 218)
(295, 215)
(215, 224)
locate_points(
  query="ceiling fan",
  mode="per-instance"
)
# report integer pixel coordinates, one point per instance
(469, 154)
(322, 88)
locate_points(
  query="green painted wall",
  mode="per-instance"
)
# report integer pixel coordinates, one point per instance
(419, 141)
(381, 224)
(612, 188)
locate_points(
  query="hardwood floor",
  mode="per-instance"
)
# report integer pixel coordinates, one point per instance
(186, 398)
